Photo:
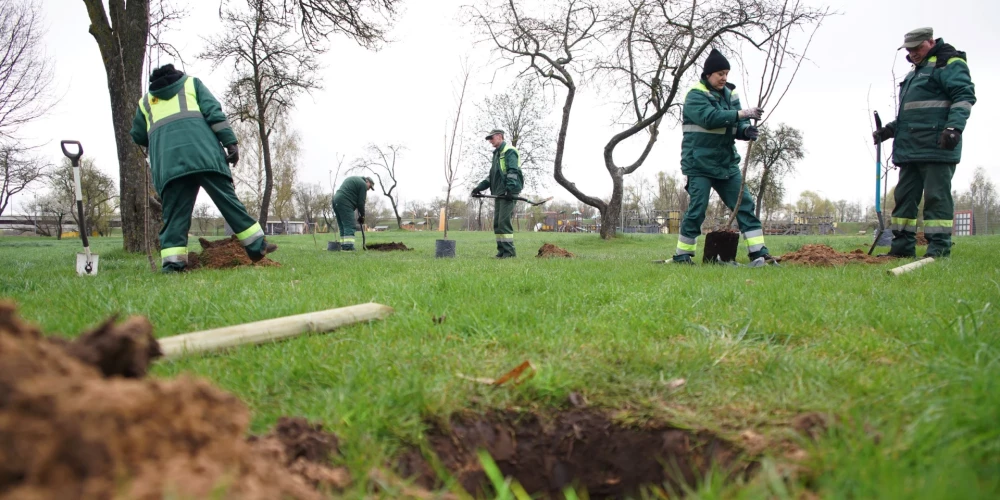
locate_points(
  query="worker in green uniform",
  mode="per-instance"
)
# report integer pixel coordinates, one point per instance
(350, 197)
(505, 181)
(184, 130)
(935, 101)
(713, 121)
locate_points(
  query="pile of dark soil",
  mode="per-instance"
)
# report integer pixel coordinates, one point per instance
(388, 247)
(921, 239)
(582, 448)
(550, 250)
(224, 254)
(721, 246)
(823, 255)
(77, 422)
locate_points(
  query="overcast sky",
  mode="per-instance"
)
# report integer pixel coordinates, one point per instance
(403, 94)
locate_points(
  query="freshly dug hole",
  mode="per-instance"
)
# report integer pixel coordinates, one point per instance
(579, 448)
(388, 247)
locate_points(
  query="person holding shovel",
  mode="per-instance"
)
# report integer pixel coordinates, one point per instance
(505, 181)
(351, 196)
(935, 101)
(184, 131)
(713, 121)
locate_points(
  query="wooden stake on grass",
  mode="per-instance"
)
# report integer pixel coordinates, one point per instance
(271, 330)
(896, 271)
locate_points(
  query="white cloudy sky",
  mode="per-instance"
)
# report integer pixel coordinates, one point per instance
(403, 94)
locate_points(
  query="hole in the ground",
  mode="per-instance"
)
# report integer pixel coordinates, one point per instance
(582, 449)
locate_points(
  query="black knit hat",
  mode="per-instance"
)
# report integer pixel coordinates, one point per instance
(715, 62)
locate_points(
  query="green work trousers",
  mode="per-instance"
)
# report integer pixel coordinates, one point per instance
(346, 223)
(700, 189)
(179, 196)
(932, 182)
(503, 211)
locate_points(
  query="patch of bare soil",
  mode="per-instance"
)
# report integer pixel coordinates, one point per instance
(388, 247)
(224, 254)
(550, 250)
(721, 246)
(76, 422)
(581, 448)
(825, 256)
(921, 239)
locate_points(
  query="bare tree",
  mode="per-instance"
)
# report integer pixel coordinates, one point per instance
(18, 170)
(522, 113)
(381, 162)
(122, 39)
(25, 73)
(287, 151)
(453, 157)
(270, 67)
(982, 194)
(774, 154)
(310, 200)
(203, 217)
(656, 43)
(100, 195)
(366, 22)
(54, 211)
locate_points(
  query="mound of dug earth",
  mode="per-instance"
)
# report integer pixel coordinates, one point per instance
(550, 250)
(581, 448)
(388, 247)
(224, 254)
(823, 255)
(76, 422)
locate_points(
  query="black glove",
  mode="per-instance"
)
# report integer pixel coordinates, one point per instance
(476, 193)
(361, 220)
(232, 154)
(949, 139)
(751, 133)
(882, 134)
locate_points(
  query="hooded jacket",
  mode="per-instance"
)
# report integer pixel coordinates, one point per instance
(183, 126)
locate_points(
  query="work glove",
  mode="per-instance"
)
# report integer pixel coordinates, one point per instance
(232, 153)
(949, 139)
(476, 193)
(753, 113)
(361, 220)
(751, 133)
(882, 134)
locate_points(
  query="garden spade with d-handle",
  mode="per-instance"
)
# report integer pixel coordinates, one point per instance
(86, 262)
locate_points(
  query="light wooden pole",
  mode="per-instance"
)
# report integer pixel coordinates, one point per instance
(270, 330)
(896, 271)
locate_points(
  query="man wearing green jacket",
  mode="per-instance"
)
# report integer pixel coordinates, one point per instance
(713, 120)
(935, 101)
(351, 196)
(184, 129)
(505, 182)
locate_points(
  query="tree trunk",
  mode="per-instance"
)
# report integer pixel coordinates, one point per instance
(265, 144)
(123, 46)
(760, 191)
(611, 213)
(395, 210)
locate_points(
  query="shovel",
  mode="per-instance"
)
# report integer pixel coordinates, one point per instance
(878, 179)
(518, 198)
(86, 262)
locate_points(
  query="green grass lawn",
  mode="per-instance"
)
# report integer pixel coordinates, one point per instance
(909, 365)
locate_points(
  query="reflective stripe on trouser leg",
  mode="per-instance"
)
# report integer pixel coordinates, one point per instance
(251, 234)
(938, 226)
(174, 255)
(686, 246)
(755, 240)
(903, 224)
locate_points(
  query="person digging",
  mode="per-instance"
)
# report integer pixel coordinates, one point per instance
(935, 101)
(351, 196)
(713, 121)
(505, 181)
(184, 132)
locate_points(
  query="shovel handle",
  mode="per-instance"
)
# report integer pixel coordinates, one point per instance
(73, 157)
